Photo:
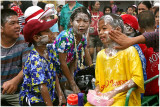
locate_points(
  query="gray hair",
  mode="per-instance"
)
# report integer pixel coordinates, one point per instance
(113, 20)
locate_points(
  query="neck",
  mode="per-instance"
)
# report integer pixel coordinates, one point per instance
(95, 10)
(42, 50)
(7, 42)
(150, 30)
(72, 4)
(110, 51)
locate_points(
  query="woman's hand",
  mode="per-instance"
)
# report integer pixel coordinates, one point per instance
(74, 87)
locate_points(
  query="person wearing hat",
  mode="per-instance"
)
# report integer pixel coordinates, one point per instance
(14, 52)
(54, 28)
(155, 6)
(39, 73)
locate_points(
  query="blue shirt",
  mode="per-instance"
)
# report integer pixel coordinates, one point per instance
(38, 70)
(66, 13)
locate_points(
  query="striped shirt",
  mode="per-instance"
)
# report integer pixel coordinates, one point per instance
(152, 40)
(13, 58)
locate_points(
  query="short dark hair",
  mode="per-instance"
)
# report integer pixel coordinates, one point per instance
(157, 10)
(146, 3)
(60, 6)
(5, 13)
(104, 9)
(80, 10)
(93, 3)
(146, 19)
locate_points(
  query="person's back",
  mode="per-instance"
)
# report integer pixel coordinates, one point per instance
(147, 21)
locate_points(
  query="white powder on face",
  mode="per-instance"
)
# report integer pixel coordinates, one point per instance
(43, 40)
(8, 19)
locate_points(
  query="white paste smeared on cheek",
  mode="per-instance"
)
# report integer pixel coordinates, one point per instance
(43, 40)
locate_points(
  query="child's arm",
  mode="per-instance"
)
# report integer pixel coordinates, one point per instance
(45, 94)
(126, 86)
(60, 93)
(88, 59)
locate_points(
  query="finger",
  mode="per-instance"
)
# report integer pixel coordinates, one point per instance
(9, 90)
(118, 32)
(5, 88)
(118, 47)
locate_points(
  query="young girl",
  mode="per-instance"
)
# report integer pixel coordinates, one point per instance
(71, 49)
(39, 73)
(117, 70)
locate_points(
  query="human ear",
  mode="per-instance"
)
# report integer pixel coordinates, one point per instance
(36, 38)
(119, 29)
(2, 29)
(71, 23)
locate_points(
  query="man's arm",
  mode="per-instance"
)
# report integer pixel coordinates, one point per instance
(10, 86)
(125, 41)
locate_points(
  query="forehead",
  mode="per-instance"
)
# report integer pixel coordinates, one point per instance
(142, 6)
(81, 15)
(12, 18)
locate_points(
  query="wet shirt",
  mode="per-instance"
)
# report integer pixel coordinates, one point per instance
(66, 13)
(38, 70)
(112, 72)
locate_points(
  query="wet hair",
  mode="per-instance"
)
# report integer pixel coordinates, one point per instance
(93, 4)
(80, 10)
(5, 13)
(115, 22)
(157, 10)
(146, 19)
(146, 3)
(104, 9)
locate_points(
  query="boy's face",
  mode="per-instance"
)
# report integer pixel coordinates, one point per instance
(128, 30)
(103, 30)
(107, 10)
(80, 24)
(46, 37)
(11, 27)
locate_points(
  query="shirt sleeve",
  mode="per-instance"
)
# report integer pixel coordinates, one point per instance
(63, 44)
(136, 68)
(152, 40)
(37, 71)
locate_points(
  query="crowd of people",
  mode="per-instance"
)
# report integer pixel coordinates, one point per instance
(43, 47)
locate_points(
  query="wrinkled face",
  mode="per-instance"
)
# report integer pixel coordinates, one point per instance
(141, 7)
(11, 27)
(97, 5)
(130, 11)
(128, 30)
(80, 24)
(157, 18)
(103, 30)
(107, 10)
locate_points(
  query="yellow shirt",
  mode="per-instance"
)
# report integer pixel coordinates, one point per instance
(112, 72)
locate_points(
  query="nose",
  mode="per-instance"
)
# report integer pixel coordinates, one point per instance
(81, 24)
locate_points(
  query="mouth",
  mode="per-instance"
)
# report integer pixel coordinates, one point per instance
(17, 32)
(81, 30)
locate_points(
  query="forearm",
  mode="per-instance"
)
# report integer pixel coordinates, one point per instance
(45, 95)
(88, 59)
(126, 86)
(19, 78)
(58, 88)
(66, 72)
(139, 39)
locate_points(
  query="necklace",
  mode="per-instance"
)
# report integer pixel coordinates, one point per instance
(95, 17)
(80, 65)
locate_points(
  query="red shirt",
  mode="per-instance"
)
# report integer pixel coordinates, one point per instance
(94, 21)
(152, 60)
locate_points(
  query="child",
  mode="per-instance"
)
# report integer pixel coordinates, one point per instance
(39, 74)
(117, 70)
(70, 46)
